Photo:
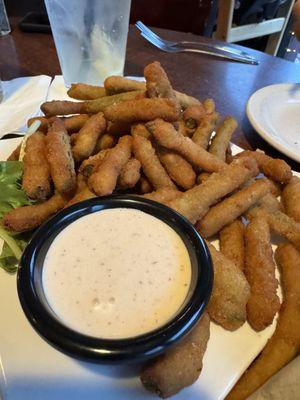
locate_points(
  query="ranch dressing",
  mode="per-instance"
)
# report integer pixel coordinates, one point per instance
(116, 273)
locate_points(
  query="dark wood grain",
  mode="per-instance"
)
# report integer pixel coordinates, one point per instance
(229, 83)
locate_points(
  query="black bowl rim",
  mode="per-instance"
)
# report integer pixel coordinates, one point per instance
(113, 350)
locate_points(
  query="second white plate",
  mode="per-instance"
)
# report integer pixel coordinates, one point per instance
(274, 112)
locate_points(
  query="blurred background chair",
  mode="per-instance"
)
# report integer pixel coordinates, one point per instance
(247, 19)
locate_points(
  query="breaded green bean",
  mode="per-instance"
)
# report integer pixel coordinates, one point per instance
(88, 136)
(118, 84)
(82, 91)
(167, 136)
(60, 158)
(181, 365)
(30, 217)
(195, 203)
(36, 170)
(57, 107)
(221, 140)
(230, 294)
(142, 110)
(152, 168)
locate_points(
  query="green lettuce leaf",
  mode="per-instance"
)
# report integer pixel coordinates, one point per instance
(11, 196)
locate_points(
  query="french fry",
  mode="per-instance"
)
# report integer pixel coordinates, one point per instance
(231, 208)
(152, 168)
(291, 198)
(220, 141)
(82, 91)
(167, 136)
(263, 303)
(130, 174)
(195, 203)
(275, 169)
(57, 107)
(118, 84)
(142, 110)
(284, 345)
(232, 243)
(30, 217)
(181, 365)
(179, 170)
(230, 294)
(59, 155)
(104, 177)
(88, 136)
(36, 170)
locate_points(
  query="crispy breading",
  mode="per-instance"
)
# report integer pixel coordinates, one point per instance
(280, 223)
(88, 136)
(291, 198)
(230, 294)
(106, 141)
(232, 243)
(284, 345)
(142, 110)
(30, 217)
(157, 82)
(195, 203)
(119, 84)
(167, 136)
(274, 168)
(130, 174)
(36, 180)
(221, 140)
(152, 168)
(263, 303)
(82, 91)
(181, 365)
(179, 170)
(60, 158)
(232, 207)
(58, 107)
(104, 177)
(162, 195)
(204, 131)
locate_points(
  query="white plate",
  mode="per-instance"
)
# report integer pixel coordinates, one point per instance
(274, 112)
(30, 369)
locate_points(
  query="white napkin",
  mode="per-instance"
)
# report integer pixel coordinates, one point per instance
(22, 99)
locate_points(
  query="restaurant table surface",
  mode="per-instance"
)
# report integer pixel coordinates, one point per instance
(229, 83)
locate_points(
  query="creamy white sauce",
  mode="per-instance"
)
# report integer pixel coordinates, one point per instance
(116, 273)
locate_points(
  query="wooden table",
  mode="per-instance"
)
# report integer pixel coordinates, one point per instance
(229, 83)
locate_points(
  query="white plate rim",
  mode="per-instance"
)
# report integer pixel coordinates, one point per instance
(261, 131)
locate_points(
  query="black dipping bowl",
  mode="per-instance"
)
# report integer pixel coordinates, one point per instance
(47, 324)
